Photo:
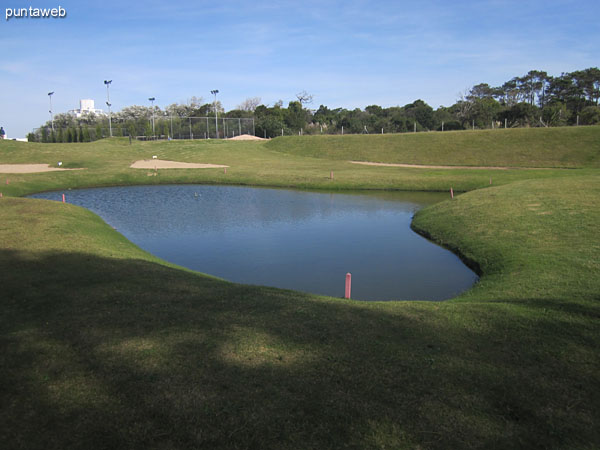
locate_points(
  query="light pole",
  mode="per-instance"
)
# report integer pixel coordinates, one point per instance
(215, 92)
(51, 115)
(107, 83)
(152, 100)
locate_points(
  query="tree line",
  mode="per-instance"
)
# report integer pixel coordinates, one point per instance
(535, 99)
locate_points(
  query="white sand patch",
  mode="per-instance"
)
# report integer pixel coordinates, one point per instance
(247, 137)
(162, 164)
(419, 166)
(29, 168)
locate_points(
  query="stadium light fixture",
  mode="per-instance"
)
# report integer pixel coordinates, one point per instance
(152, 100)
(51, 115)
(107, 83)
(215, 92)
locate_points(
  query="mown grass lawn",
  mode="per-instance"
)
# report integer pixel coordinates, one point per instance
(105, 346)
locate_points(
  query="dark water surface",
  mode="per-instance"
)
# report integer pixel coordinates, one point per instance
(298, 240)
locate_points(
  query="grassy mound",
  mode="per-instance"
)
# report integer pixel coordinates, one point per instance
(568, 147)
(270, 163)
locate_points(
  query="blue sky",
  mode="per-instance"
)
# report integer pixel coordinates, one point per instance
(349, 53)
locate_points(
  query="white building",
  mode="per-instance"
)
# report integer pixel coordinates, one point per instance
(86, 107)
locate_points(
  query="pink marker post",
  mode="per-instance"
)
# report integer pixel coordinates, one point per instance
(451, 193)
(348, 285)
(331, 175)
(64, 198)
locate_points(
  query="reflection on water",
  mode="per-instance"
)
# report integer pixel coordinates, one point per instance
(299, 240)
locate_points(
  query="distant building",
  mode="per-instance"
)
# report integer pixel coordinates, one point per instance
(86, 107)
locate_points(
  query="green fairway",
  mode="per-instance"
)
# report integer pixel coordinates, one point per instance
(105, 346)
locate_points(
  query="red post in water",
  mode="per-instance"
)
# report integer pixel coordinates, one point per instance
(348, 285)
(451, 193)
(63, 198)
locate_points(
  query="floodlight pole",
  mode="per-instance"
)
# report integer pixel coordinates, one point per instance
(153, 132)
(215, 92)
(107, 83)
(51, 115)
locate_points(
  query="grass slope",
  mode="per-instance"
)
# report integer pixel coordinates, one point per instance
(569, 147)
(105, 346)
(273, 163)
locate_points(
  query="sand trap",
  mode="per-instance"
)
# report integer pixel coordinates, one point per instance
(247, 137)
(162, 164)
(419, 166)
(29, 168)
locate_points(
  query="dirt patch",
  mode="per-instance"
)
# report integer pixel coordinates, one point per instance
(420, 166)
(246, 137)
(162, 164)
(29, 168)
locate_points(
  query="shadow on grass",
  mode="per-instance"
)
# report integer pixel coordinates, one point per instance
(107, 353)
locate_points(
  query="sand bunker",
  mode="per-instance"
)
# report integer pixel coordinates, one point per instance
(162, 164)
(246, 137)
(419, 166)
(29, 168)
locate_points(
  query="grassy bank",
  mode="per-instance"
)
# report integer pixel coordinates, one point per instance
(568, 147)
(105, 346)
(284, 162)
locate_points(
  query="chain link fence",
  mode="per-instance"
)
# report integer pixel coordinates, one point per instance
(169, 127)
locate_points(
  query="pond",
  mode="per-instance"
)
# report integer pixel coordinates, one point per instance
(306, 241)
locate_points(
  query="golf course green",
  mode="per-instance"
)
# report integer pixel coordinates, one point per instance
(103, 345)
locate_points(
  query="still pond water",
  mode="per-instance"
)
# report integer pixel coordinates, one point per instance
(298, 240)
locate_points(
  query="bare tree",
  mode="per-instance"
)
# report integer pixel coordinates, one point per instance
(185, 109)
(249, 104)
(464, 107)
(304, 97)
(195, 102)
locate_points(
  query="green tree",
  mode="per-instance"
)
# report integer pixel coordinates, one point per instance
(164, 127)
(521, 115)
(485, 111)
(148, 130)
(590, 115)
(588, 82)
(555, 115)
(444, 115)
(131, 128)
(270, 121)
(295, 117)
(421, 112)
(324, 117)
